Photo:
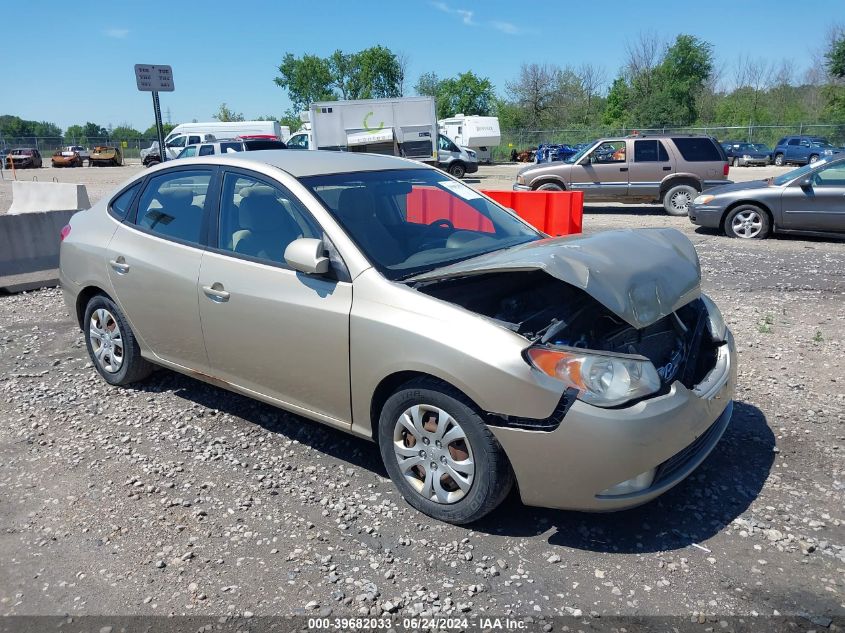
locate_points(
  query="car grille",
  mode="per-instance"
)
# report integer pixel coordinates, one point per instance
(680, 460)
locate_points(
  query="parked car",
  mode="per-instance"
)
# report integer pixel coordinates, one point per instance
(384, 298)
(809, 200)
(82, 151)
(454, 159)
(670, 169)
(23, 158)
(802, 150)
(229, 146)
(742, 154)
(104, 155)
(66, 159)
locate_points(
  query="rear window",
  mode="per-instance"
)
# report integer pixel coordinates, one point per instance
(258, 144)
(699, 149)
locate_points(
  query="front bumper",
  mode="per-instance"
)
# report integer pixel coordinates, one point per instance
(594, 449)
(706, 215)
(748, 162)
(517, 187)
(471, 168)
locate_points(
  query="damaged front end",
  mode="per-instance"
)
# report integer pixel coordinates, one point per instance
(616, 318)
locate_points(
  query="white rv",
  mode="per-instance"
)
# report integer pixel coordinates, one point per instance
(405, 126)
(191, 133)
(479, 133)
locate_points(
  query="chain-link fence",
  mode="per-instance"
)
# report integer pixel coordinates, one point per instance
(131, 148)
(770, 134)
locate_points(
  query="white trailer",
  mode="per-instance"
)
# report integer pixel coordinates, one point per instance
(479, 133)
(405, 126)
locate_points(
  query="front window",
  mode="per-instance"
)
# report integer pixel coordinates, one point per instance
(408, 221)
(797, 173)
(179, 141)
(830, 176)
(188, 152)
(298, 141)
(609, 152)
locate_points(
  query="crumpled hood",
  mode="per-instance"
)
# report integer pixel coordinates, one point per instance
(641, 275)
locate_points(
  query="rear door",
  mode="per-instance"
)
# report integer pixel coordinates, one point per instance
(603, 173)
(154, 261)
(651, 165)
(820, 207)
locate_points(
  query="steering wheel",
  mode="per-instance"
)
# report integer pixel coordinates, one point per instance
(442, 223)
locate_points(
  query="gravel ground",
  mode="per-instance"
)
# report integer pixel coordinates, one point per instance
(175, 497)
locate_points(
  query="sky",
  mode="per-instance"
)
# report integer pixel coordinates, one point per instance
(79, 59)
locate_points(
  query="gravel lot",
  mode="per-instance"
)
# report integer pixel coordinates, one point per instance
(175, 497)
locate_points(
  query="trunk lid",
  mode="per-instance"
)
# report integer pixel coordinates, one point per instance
(640, 275)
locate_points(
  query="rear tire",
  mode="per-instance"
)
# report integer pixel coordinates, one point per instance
(111, 343)
(814, 158)
(549, 186)
(457, 170)
(677, 200)
(747, 222)
(779, 160)
(426, 483)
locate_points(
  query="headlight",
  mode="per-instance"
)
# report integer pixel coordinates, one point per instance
(703, 199)
(746, 156)
(828, 152)
(715, 320)
(604, 381)
(520, 179)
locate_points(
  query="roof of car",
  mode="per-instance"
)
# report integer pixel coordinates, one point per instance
(300, 163)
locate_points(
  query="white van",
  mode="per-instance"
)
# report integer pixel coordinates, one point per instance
(191, 133)
(479, 133)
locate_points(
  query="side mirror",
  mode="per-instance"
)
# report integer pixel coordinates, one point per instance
(806, 183)
(306, 255)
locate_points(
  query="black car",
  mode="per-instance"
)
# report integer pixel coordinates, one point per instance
(809, 200)
(743, 154)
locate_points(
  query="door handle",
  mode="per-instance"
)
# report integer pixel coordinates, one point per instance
(120, 266)
(623, 169)
(667, 169)
(216, 293)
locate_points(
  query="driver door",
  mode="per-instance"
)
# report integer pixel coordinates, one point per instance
(603, 173)
(820, 207)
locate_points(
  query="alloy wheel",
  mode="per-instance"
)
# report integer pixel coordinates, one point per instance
(106, 340)
(433, 453)
(747, 224)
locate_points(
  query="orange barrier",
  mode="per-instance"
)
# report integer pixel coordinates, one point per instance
(553, 212)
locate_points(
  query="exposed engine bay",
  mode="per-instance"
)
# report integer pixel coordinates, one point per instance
(551, 312)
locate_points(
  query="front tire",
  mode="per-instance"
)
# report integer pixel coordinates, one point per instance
(678, 199)
(549, 186)
(457, 170)
(748, 222)
(440, 454)
(779, 160)
(814, 158)
(111, 343)
(736, 162)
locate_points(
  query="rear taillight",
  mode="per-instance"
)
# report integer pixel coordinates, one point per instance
(726, 169)
(65, 232)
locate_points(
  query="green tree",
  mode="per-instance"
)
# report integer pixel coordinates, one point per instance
(224, 113)
(617, 104)
(125, 132)
(379, 73)
(835, 57)
(465, 94)
(92, 130)
(151, 132)
(681, 77)
(427, 85)
(306, 79)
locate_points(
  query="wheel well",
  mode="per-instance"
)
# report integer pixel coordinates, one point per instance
(547, 181)
(753, 203)
(390, 384)
(666, 185)
(82, 300)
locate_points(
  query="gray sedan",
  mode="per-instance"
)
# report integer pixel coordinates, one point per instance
(809, 200)
(384, 298)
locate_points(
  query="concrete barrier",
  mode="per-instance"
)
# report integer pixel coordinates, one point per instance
(35, 197)
(29, 249)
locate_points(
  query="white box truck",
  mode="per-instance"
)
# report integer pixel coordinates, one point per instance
(479, 133)
(398, 127)
(191, 133)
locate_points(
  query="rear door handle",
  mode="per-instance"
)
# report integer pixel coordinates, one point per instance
(667, 169)
(623, 169)
(216, 293)
(120, 266)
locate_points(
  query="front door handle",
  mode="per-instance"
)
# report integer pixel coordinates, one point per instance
(120, 266)
(667, 169)
(215, 292)
(623, 169)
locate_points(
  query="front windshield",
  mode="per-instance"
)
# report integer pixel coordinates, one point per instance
(577, 155)
(797, 173)
(761, 147)
(409, 221)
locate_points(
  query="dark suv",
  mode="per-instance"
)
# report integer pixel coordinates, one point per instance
(671, 169)
(802, 150)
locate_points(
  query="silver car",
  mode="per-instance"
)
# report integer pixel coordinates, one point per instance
(384, 298)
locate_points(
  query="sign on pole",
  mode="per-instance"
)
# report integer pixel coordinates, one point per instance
(151, 78)
(155, 79)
